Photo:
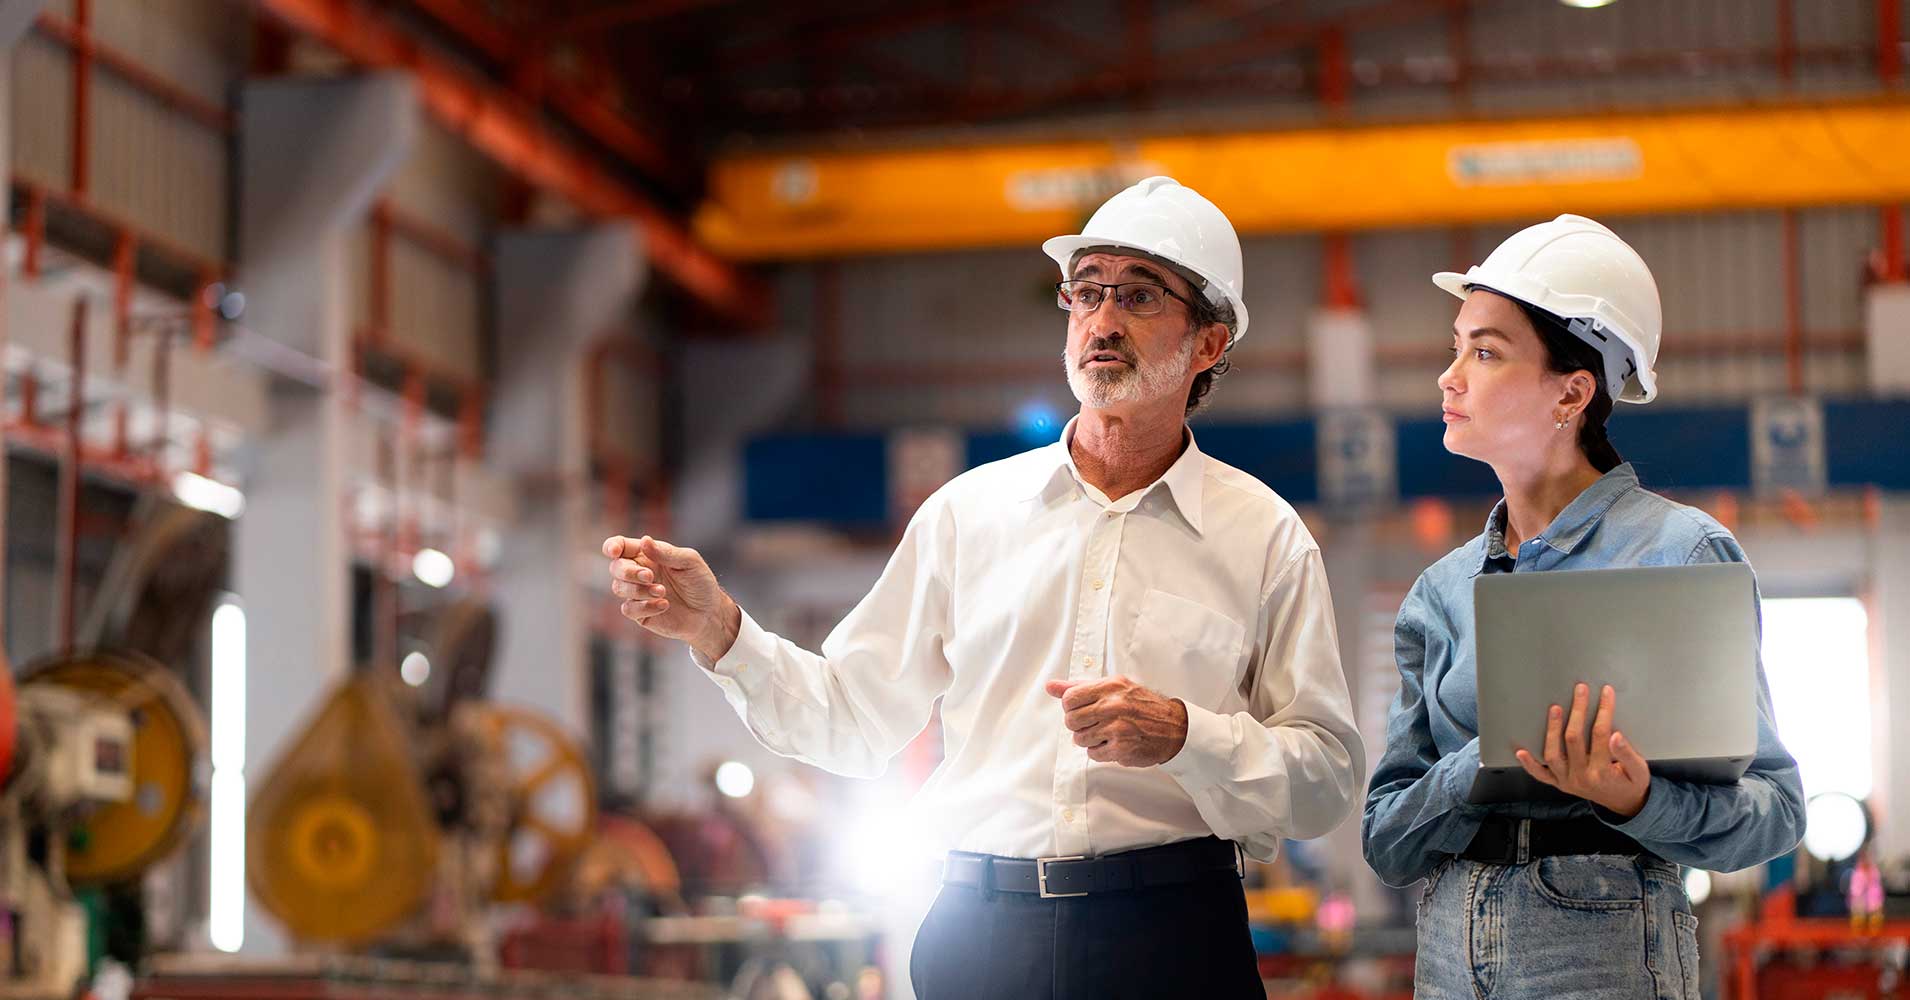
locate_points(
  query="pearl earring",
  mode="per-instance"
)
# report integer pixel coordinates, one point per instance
(1560, 424)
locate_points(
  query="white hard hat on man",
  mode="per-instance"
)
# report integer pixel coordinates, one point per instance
(1163, 220)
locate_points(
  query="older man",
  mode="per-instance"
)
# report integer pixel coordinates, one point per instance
(1133, 642)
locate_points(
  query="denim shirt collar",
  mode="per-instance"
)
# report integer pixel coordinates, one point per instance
(1571, 525)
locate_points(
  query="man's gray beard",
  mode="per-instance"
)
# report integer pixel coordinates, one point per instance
(1102, 387)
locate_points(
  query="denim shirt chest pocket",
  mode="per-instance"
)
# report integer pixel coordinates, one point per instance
(1184, 649)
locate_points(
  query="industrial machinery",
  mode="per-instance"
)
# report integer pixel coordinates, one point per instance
(400, 815)
(101, 785)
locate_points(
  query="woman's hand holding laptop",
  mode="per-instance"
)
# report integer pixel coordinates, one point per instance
(1608, 770)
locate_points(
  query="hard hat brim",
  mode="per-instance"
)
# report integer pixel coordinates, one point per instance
(1063, 248)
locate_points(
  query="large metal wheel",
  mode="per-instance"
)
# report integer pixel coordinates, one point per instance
(119, 841)
(553, 804)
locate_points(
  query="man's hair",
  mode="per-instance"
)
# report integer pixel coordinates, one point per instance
(1206, 313)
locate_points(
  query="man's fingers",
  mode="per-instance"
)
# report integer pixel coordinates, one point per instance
(629, 570)
(1086, 693)
(1602, 725)
(1056, 689)
(637, 591)
(667, 555)
(640, 611)
(617, 545)
(1103, 753)
(1084, 718)
(1093, 736)
(1537, 770)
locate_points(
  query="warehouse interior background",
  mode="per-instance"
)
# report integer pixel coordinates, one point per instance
(338, 333)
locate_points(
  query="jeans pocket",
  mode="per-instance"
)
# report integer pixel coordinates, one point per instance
(1588, 882)
(1686, 928)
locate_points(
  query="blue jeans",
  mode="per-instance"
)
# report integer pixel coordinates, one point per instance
(1592, 927)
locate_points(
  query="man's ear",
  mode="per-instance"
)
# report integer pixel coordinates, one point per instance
(1212, 346)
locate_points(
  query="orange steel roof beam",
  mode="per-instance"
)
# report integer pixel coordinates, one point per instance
(587, 113)
(507, 131)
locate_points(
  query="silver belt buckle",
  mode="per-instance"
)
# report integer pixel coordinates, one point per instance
(1041, 877)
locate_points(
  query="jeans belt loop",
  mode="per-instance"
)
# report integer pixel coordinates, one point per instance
(1525, 841)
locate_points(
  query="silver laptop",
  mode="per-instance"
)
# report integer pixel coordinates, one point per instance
(1677, 643)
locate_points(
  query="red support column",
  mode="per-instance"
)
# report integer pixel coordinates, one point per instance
(1342, 285)
(1333, 86)
(1786, 40)
(29, 397)
(204, 329)
(1889, 43)
(1892, 226)
(82, 94)
(123, 278)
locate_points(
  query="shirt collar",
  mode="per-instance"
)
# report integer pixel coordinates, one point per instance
(1182, 480)
(1572, 524)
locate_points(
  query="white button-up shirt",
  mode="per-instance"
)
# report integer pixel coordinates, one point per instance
(1205, 586)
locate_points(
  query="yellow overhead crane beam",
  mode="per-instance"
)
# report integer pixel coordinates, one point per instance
(778, 206)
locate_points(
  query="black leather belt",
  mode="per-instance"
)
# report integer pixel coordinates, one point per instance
(1058, 878)
(1498, 841)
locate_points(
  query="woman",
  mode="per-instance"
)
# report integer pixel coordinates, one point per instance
(1579, 897)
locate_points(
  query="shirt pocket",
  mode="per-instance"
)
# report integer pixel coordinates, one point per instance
(1184, 649)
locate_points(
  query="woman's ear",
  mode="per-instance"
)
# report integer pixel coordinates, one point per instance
(1577, 392)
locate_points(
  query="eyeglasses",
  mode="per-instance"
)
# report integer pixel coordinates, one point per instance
(1140, 298)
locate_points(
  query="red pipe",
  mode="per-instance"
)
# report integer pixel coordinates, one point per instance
(82, 85)
(1786, 40)
(1889, 45)
(204, 329)
(1893, 262)
(1342, 284)
(123, 277)
(1333, 74)
(29, 398)
(1793, 304)
(511, 134)
(69, 542)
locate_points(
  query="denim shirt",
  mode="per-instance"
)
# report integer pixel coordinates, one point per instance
(1416, 808)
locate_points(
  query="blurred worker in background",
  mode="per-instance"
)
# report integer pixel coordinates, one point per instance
(1582, 896)
(1133, 642)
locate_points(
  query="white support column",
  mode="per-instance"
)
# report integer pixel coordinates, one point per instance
(313, 155)
(557, 291)
(1887, 337)
(1890, 705)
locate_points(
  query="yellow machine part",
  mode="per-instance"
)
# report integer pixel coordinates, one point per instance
(1282, 905)
(119, 841)
(553, 804)
(340, 841)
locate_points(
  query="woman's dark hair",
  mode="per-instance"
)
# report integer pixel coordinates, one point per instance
(1565, 353)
